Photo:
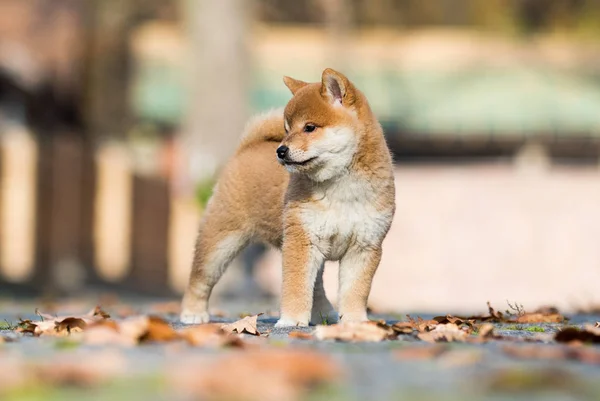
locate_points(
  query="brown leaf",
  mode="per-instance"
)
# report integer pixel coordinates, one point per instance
(403, 327)
(486, 330)
(147, 329)
(70, 325)
(248, 325)
(301, 335)
(496, 316)
(131, 331)
(26, 326)
(356, 331)
(422, 325)
(468, 324)
(269, 375)
(589, 334)
(540, 318)
(449, 332)
(210, 335)
(97, 311)
(420, 352)
(159, 330)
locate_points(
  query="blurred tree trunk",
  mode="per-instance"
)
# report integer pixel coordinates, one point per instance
(339, 20)
(107, 103)
(217, 75)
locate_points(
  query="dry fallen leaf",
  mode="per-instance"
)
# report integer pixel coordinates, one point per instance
(301, 335)
(449, 332)
(248, 325)
(486, 330)
(465, 324)
(266, 375)
(540, 318)
(210, 335)
(589, 334)
(130, 331)
(546, 314)
(404, 327)
(422, 325)
(356, 331)
(147, 328)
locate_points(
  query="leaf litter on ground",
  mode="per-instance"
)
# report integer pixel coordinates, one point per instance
(369, 331)
(61, 326)
(96, 328)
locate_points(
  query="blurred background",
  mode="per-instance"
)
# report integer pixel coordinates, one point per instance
(116, 115)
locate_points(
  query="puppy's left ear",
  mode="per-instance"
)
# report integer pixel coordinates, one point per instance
(294, 85)
(336, 88)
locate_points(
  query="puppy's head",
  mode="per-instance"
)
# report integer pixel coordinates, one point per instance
(321, 123)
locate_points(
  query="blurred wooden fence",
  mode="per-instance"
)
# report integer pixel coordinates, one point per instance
(53, 246)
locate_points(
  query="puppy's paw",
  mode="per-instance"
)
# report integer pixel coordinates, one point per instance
(349, 317)
(286, 322)
(189, 317)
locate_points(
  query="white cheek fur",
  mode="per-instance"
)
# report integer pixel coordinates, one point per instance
(335, 149)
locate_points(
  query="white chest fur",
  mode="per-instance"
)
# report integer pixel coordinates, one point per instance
(344, 214)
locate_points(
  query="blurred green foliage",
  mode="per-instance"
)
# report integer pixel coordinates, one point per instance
(204, 191)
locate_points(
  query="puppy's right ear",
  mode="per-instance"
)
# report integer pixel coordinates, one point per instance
(294, 85)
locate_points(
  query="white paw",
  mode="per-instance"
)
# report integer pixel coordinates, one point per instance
(194, 318)
(354, 317)
(284, 322)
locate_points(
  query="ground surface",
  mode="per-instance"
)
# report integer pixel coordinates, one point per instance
(385, 370)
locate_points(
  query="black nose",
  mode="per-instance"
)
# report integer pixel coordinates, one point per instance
(282, 151)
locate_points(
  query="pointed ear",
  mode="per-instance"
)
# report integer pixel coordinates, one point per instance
(294, 84)
(336, 88)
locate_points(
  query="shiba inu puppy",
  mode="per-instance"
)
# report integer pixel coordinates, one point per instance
(333, 199)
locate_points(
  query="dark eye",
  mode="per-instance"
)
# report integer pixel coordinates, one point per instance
(309, 127)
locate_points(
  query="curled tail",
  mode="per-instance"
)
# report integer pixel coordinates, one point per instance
(265, 127)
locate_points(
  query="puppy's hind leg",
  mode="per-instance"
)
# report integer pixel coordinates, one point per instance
(215, 249)
(322, 310)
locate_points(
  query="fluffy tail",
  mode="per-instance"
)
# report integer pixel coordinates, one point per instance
(265, 127)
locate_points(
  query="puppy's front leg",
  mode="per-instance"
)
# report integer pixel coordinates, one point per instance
(301, 262)
(357, 269)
